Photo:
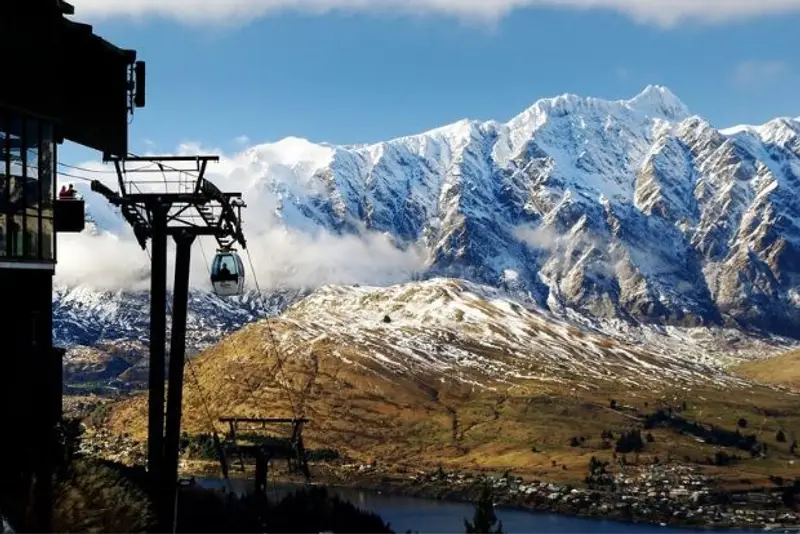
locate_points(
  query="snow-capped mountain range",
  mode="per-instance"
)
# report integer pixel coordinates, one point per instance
(631, 210)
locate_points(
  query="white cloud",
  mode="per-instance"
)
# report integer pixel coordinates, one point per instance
(242, 140)
(540, 237)
(102, 262)
(298, 255)
(660, 12)
(751, 73)
(286, 257)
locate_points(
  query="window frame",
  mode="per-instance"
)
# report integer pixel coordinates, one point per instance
(34, 207)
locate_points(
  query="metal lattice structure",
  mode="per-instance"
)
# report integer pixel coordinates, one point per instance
(195, 203)
(184, 208)
(267, 448)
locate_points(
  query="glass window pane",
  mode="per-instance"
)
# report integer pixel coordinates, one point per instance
(4, 163)
(15, 236)
(31, 249)
(47, 238)
(229, 264)
(30, 165)
(16, 185)
(32, 193)
(47, 166)
(14, 155)
(32, 147)
(225, 267)
(3, 235)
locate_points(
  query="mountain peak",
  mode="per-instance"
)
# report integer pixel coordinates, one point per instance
(292, 151)
(655, 102)
(612, 209)
(659, 100)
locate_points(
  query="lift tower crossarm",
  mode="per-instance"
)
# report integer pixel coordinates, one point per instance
(160, 159)
(193, 201)
(291, 449)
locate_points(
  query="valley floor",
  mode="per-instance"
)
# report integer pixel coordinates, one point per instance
(432, 385)
(710, 458)
(666, 494)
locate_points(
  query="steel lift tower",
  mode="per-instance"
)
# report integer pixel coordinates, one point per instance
(157, 208)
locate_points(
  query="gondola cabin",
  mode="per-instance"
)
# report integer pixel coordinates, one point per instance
(227, 274)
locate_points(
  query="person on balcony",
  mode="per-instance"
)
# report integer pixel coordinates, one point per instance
(67, 193)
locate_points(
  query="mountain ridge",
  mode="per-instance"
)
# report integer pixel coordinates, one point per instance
(630, 209)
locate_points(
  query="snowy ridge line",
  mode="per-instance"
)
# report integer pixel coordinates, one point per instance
(471, 333)
(615, 213)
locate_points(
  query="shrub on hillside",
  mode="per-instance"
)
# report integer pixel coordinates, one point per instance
(742, 423)
(95, 498)
(630, 441)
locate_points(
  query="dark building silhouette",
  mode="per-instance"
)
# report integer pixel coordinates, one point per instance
(60, 82)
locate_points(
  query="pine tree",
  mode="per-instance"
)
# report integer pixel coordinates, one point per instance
(484, 520)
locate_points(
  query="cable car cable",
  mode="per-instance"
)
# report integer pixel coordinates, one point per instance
(208, 269)
(205, 258)
(98, 171)
(252, 388)
(189, 361)
(280, 358)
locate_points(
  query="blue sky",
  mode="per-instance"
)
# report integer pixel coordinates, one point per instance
(231, 70)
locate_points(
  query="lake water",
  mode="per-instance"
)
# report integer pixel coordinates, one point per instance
(428, 516)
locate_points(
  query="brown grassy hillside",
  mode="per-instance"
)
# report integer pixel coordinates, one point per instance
(783, 370)
(371, 396)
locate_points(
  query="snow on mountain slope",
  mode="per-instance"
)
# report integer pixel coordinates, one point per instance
(626, 212)
(462, 330)
(642, 210)
(118, 315)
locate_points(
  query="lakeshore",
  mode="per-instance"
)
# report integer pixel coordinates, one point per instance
(667, 493)
(668, 496)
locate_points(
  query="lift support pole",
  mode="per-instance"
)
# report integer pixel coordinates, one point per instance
(184, 209)
(158, 334)
(177, 353)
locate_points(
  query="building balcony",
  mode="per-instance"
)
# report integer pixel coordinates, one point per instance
(70, 216)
